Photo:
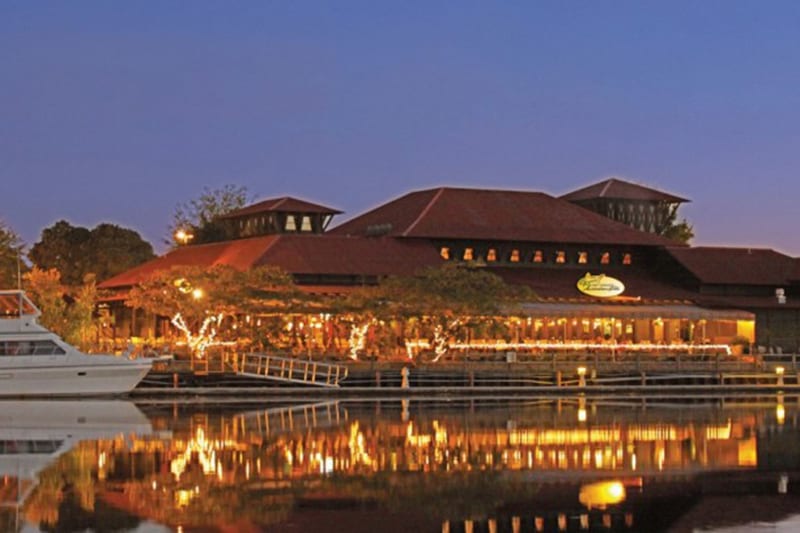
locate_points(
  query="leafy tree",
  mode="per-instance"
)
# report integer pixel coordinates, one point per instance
(448, 299)
(198, 293)
(681, 232)
(10, 247)
(199, 217)
(76, 251)
(69, 315)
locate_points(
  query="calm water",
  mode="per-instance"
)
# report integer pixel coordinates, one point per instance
(460, 466)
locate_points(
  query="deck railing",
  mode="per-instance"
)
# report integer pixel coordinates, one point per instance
(290, 370)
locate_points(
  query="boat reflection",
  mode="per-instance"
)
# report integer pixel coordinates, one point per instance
(500, 466)
(36, 435)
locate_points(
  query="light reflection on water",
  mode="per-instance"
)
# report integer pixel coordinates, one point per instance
(459, 466)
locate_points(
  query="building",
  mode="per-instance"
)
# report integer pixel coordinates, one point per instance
(600, 270)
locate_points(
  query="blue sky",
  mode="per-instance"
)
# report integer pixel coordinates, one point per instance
(118, 111)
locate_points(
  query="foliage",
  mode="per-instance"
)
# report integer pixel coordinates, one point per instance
(71, 316)
(200, 216)
(220, 290)
(10, 245)
(681, 232)
(76, 251)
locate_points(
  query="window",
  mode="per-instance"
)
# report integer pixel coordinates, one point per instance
(491, 255)
(514, 258)
(538, 256)
(30, 348)
(561, 257)
(445, 253)
(306, 224)
(605, 259)
(627, 259)
(583, 258)
(467, 254)
(291, 224)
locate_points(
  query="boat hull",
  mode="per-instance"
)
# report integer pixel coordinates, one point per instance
(72, 380)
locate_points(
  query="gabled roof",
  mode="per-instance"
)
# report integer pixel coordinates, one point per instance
(621, 190)
(479, 214)
(736, 266)
(282, 205)
(296, 254)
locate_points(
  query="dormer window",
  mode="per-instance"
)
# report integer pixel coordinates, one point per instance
(538, 257)
(627, 259)
(291, 223)
(605, 259)
(514, 257)
(445, 253)
(561, 257)
(306, 224)
(491, 255)
(468, 254)
(583, 258)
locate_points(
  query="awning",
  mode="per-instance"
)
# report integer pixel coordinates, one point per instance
(649, 311)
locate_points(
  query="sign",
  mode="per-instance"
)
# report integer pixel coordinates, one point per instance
(600, 286)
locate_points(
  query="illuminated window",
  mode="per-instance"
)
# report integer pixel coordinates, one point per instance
(583, 258)
(561, 257)
(626, 259)
(514, 256)
(306, 224)
(538, 256)
(291, 224)
(605, 258)
(491, 255)
(445, 253)
(468, 254)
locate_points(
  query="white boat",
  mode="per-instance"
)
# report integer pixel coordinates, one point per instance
(36, 362)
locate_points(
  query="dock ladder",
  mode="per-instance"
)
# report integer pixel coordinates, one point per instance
(290, 370)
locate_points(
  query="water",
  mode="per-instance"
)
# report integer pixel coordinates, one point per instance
(457, 466)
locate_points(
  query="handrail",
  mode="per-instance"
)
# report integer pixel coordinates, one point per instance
(291, 370)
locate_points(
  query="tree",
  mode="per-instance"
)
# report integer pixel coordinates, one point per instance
(681, 232)
(10, 265)
(198, 299)
(76, 251)
(448, 298)
(199, 218)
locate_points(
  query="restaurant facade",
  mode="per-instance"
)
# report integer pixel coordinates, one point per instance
(599, 271)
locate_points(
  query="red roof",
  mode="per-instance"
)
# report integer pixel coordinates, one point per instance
(285, 204)
(621, 190)
(296, 254)
(736, 266)
(561, 284)
(478, 214)
(239, 254)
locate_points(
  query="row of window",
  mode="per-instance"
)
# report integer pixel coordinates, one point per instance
(536, 256)
(30, 348)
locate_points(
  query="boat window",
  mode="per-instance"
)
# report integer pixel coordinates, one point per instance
(30, 348)
(12, 447)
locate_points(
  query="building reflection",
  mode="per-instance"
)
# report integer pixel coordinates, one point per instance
(250, 470)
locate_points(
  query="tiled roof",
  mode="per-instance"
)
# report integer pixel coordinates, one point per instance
(478, 214)
(736, 266)
(621, 190)
(342, 255)
(296, 254)
(284, 204)
(561, 284)
(239, 254)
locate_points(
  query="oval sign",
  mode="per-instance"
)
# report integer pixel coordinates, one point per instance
(600, 286)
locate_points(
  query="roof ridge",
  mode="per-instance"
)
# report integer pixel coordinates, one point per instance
(424, 211)
(279, 202)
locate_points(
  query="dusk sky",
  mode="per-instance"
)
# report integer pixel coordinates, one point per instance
(118, 111)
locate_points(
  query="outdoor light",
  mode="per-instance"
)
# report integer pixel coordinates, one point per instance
(197, 294)
(183, 237)
(581, 370)
(779, 370)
